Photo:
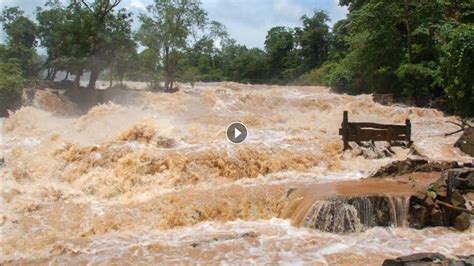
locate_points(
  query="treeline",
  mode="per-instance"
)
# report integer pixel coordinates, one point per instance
(418, 49)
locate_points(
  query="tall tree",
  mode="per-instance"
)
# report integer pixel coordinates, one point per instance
(168, 30)
(314, 38)
(53, 34)
(21, 40)
(84, 36)
(107, 31)
(279, 45)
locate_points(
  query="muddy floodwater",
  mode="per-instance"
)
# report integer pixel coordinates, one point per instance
(155, 180)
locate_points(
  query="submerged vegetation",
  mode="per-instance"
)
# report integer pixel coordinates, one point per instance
(419, 50)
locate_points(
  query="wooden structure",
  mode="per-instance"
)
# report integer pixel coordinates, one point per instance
(358, 132)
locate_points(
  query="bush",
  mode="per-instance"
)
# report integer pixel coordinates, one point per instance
(457, 69)
(319, 76)
(11, 81)
(342, 80)
(416, 80)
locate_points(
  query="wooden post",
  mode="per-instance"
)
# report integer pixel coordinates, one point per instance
(345, 129)
(408, 132)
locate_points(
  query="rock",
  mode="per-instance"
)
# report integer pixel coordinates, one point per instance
(376, 150)
(468, 260)
(418, 217)
(462, 178)
(466, 142)
(461, 222)
(437, 207)
(438, 218)
(428, 259)
(250, 234)
(413, 165)
(458, 200)
(417, 259)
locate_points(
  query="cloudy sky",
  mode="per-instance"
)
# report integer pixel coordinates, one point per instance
(247, 21)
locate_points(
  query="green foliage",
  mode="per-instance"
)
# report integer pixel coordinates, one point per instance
(343, 79)
(167, 29)
(11, 80)
(416, 80)
(415, 49)
(279, 44)
(319, 76)
(419, 49)
(21, 41)
(457, 68)
(314, 38)
(84, 36)
(245, 65)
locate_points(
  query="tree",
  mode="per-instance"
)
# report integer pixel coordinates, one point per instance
(21, 40)
(84, 36)
(106, 32)
(11, 80)
(279, 45)
(168, 30)
(244, 65)
(203, 60)
(313, 39)
(457, 68)
(53, 34)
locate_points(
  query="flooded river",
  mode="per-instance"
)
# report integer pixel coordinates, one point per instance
(156, 180)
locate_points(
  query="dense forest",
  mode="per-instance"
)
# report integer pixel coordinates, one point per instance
(421, 50)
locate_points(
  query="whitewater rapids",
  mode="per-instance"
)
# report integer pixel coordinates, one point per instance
(157, 180)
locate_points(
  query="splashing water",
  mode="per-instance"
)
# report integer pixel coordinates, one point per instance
(143, 182)
(357, 213)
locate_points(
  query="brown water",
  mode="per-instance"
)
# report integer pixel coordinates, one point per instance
(159, 182)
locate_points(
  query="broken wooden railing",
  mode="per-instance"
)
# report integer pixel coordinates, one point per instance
(364, 131)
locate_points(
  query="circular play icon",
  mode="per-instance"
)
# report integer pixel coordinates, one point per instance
(237, 133)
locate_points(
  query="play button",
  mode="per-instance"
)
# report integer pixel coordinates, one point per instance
(237, 133)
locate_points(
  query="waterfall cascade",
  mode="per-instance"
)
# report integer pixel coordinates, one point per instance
(355, 214)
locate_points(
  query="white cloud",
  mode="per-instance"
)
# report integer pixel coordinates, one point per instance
(288, 9)
(138, 4)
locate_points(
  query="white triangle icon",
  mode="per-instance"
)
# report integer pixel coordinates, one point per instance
(237, 133)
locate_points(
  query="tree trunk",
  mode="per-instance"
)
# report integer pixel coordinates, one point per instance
(111, 76)
(67, 75)
(167, 69)
(77, 79)
(53, 75)
(93, 78)
(48, 74)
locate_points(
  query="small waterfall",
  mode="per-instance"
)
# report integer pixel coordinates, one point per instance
(333, 216)
(399, 210)
(354, 214)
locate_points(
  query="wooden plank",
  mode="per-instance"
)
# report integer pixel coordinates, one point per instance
(397, 130)
(352, 128)
(354, 137)
(375, 135)
(375, 125)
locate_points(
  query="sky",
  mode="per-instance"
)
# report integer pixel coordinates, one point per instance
(247, 21)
